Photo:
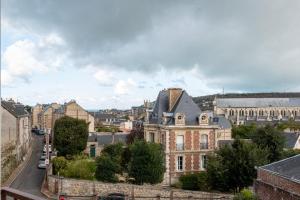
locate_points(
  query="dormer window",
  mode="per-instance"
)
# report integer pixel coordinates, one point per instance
(203, 119)
(179, 119)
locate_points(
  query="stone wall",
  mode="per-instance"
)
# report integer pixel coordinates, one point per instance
(73, 187)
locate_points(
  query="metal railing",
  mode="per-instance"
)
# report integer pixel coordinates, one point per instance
(203, 145)
(7, 192)
(179, 147)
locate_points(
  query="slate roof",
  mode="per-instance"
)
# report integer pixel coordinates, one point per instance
(288, 168)
(16, 109)
(105, 138)
(257, 102)
(185, 105)
(102, 116)
(291, 139)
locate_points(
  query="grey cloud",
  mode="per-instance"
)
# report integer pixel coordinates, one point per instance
(240, 45)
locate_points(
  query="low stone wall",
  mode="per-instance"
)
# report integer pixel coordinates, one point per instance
(73, 187)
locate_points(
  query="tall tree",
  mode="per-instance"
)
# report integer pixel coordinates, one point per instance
(243, 131)
(233, 167)
(270, 138)
(147, 162)
(70, 136)
(137, 133)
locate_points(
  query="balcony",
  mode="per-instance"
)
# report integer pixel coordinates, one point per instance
(203, 145)
(7, 192)
(179, 147)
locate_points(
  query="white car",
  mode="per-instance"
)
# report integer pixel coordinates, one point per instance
(50, 149)
(42, 165)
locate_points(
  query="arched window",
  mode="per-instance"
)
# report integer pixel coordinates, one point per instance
(241, 113)
(231, 112)
(251, 113)
(204, 141)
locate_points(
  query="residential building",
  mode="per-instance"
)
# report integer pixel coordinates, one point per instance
(279, 180)
(187, 134)
(36, 110)
(46, 118)
(245, 110)
(97, 141)
(15, 135)
(105, 118)
(74, 110)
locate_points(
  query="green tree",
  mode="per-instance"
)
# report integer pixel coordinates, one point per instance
(243, 131)
(147, 162)
(59, 164)
(233, 167)
(70, 136)
(109, 163)
(106, 168)
(270, 138)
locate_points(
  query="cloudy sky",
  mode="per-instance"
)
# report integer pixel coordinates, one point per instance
(115, 53)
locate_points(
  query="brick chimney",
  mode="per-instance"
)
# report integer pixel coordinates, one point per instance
(174, 94)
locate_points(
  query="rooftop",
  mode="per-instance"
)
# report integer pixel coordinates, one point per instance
(258, 102)
(16, 109)
(288, 168)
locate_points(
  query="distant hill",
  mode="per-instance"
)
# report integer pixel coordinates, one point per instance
(206, 102)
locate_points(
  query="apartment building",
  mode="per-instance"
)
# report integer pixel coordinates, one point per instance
(187, 134)
(15, 136)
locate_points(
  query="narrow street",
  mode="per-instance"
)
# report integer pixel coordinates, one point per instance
(31, 178)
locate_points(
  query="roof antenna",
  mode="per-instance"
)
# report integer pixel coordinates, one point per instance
(223, 91)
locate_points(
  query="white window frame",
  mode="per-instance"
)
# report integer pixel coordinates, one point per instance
(182, 143)
(182, 163)
(202, 161)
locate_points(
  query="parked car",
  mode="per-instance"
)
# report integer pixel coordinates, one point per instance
(42, 165)
(40, 132)
(113, 196)
(34, 130)
(50, 149)
(50, 139)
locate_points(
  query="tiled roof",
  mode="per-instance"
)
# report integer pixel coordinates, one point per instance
(257, 102)
(15, 109)
(288, 168)
(291, 139)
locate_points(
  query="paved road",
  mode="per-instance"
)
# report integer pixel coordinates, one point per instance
(31, 178)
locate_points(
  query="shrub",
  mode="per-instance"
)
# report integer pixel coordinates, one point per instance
(197, 181)
(106, 168)
(245, 194)
(80, 169)
(59, 164)
(189, 182)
